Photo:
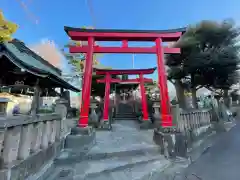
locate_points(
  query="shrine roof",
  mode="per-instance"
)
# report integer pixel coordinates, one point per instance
(125, 71)
(102, 33)
(20, 55)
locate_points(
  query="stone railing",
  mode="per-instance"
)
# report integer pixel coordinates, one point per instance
(28, 143)
(190, 127)
(196, 121)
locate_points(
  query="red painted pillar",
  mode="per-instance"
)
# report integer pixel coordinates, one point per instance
(162, 80)
(106, 97)
(144, 99)
(87, 83)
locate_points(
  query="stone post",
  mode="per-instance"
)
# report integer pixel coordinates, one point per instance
(11, 146)
(1, 140)
(61, 108)
(25, 142)
(156, 115)
(53, 131)
(175, 110)
(93, 118)
(37, 136)
(44, 140)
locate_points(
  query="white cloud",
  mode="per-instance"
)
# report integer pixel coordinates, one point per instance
(49, 51)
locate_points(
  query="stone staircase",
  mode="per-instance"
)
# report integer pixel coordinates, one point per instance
(125, 153)
(125, 112)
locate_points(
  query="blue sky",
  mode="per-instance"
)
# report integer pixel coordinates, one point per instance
(118, 14)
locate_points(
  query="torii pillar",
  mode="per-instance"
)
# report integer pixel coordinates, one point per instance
(106, 97)
(144, 99)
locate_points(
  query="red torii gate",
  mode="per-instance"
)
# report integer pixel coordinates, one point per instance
(92, 35)
(108, 80)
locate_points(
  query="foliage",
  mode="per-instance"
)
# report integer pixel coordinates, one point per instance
(77, 60)
(7, 29)
(209, 50)
(209, 57)
(124, 77)
(45, 111)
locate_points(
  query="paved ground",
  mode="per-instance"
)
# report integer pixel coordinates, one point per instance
(125, 153)
(221, 161)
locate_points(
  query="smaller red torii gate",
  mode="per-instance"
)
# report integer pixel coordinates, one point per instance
(141, 80)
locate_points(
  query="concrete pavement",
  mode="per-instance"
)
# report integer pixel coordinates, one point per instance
(221, 161)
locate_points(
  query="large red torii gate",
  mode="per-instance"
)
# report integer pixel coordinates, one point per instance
(108, 80)
(92, 35)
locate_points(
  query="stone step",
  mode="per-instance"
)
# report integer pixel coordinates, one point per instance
(125, 114)
(123, 153)
(125, 119)
(135, 150)
(123, 168)
(61, 173)
(117, 167)
(128, 117)
(130, 112)
(67, 157)
(136, 172)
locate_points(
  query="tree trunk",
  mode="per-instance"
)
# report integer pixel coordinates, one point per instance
(226, 98)
(193, 91)
(194, 97)
(180, 94)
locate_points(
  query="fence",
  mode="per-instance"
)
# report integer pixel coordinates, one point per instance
(193, 121)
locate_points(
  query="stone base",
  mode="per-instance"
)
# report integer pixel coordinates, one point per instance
(94, 124)
(80, 138)
(157, 123)
(82, 131)
(172, 144)
(94, 120)
(146, 124)
(105, 125)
